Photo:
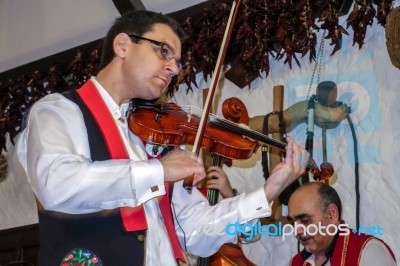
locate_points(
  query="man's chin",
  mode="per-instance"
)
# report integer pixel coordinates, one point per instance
(308, 245)
(309, 249)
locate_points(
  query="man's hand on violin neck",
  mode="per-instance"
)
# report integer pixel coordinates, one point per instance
(180, 164)
(290, 169)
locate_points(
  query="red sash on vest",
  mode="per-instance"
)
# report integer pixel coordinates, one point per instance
(133, 218)
(347, 251)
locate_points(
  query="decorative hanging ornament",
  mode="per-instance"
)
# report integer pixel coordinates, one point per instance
(392, 30)
(3, 167)
(318, 64)
(326, 168)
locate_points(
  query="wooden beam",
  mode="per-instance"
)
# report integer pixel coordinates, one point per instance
(124, 6)
(43, 65)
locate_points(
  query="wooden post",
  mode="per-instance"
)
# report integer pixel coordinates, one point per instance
(275, 155)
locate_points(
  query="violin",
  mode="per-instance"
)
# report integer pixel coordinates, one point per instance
(167, 124)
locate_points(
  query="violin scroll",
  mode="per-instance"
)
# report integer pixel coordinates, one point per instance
(234, 109)
(324, 174)
(326, 171)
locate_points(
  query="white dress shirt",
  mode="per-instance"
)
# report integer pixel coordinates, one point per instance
(53, 151)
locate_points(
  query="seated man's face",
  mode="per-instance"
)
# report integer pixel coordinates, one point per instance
(309, 221)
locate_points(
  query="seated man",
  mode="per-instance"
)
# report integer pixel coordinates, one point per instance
(318, 204)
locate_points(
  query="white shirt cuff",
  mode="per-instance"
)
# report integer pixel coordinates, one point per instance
(148, 178)
(254, 205)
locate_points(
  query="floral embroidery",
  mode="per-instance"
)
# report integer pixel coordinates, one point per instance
(81, 257)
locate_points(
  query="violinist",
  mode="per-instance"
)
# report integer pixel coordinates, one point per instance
(101, 196)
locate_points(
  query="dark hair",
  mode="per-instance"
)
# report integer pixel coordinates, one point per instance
(327, 196)
(138, 23)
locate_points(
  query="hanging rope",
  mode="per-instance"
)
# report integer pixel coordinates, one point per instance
(356, 171)
(318, 64)
(309, 109)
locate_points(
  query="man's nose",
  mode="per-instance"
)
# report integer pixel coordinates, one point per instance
(299, 230)
(173, 66)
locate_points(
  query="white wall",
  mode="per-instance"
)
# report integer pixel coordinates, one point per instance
(31, 30)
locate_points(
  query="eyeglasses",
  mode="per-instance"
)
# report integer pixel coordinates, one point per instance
(164, 50)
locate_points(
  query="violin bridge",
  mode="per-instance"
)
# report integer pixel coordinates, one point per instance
(158, 118)
(189, 115)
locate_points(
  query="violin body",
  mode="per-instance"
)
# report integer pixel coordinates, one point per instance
(167, 124)
(230, 255)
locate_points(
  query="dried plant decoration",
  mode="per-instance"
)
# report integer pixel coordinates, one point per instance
(270, 29)
(3, 168)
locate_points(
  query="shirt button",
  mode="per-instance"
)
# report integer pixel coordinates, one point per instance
(140, 238)
(124, 203)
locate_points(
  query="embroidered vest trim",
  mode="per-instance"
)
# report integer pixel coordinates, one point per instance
(347, 250)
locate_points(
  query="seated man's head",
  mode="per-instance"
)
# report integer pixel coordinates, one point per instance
(313, 207)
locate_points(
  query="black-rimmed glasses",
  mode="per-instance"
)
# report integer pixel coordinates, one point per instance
(164, 50)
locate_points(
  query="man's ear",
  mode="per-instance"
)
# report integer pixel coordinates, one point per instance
(120, 44)
(333, 212)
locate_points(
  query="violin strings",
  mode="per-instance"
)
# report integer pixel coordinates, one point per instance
(227, 124)
(185, 111)
(188, 111)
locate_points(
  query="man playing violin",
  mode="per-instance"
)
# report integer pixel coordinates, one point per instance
(98, 192)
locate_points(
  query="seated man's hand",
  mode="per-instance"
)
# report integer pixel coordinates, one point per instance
(217, 179)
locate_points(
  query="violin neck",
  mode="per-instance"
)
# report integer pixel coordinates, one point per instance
(222, 123)
(204, 261)
(252, 134)
(212, 194)
(225, 124)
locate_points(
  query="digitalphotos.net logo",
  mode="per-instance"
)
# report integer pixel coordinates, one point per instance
(250, 231)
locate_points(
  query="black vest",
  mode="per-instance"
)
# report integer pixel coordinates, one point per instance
(101, 232)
